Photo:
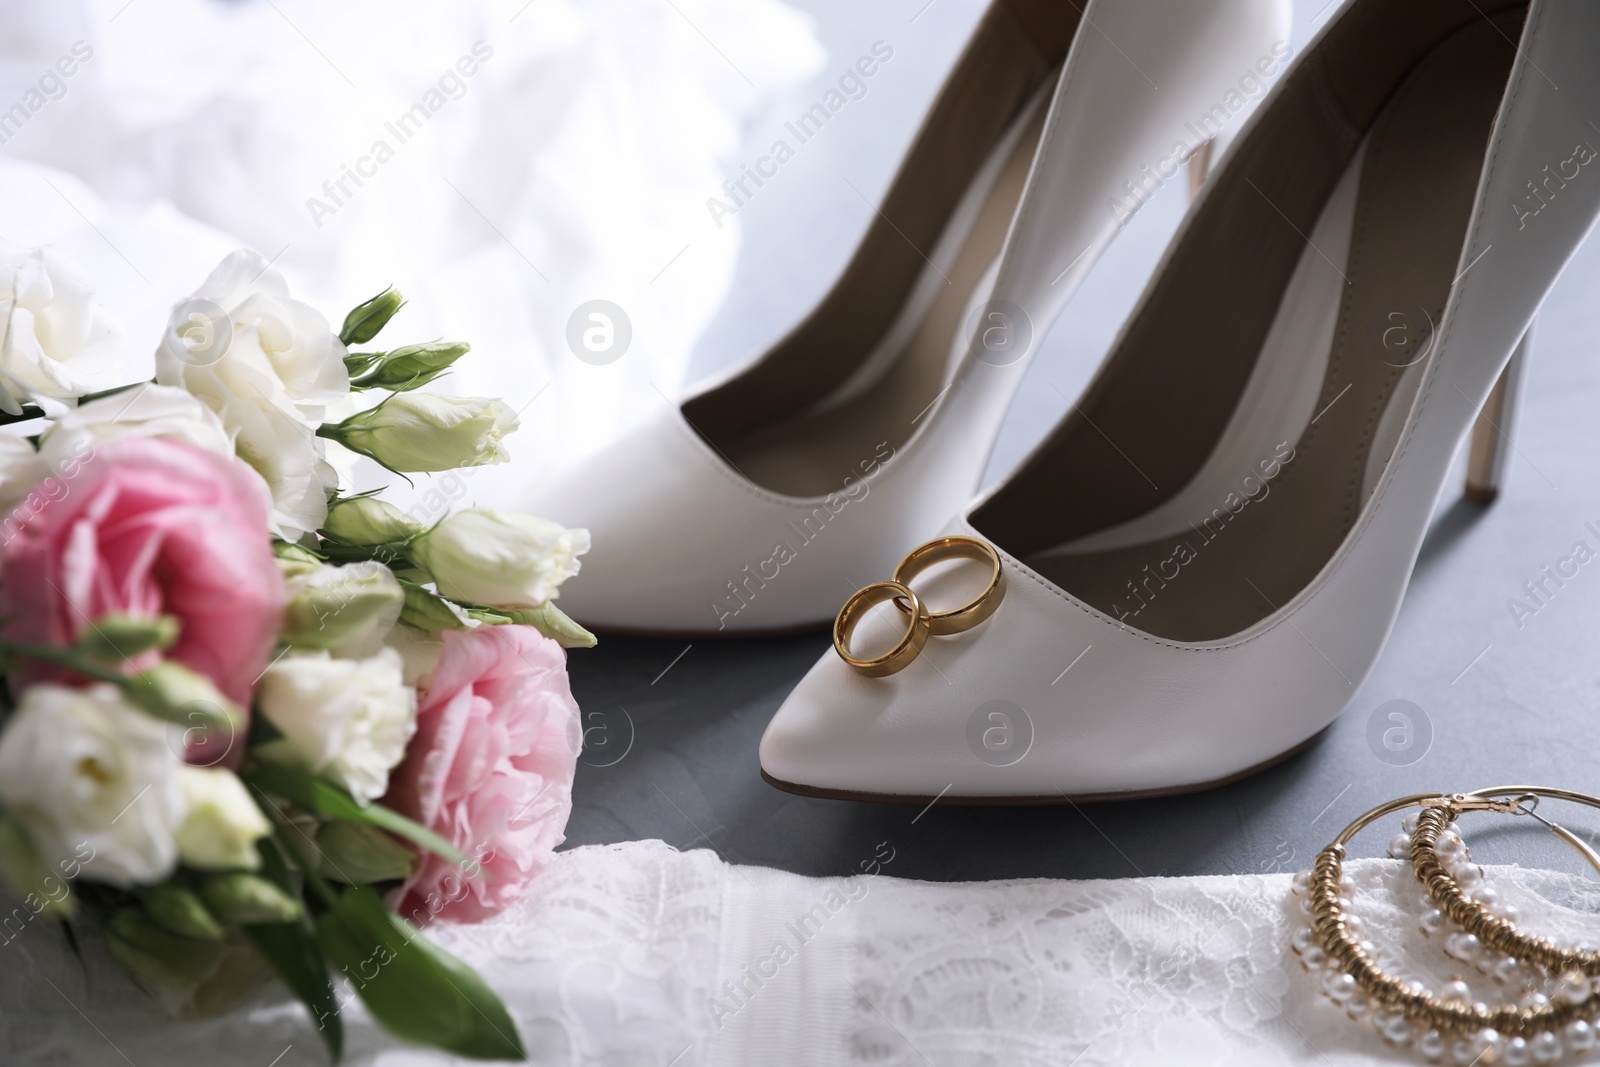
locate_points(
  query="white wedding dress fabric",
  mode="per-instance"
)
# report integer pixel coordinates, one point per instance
(574, 163)
(638, 954)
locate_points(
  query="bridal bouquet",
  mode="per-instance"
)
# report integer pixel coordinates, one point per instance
(245, 710)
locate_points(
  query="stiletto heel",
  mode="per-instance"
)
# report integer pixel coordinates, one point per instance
(1198, 167)
(1204, 558)
(1493, 433)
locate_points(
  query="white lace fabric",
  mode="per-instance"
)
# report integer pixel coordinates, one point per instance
(638, 954)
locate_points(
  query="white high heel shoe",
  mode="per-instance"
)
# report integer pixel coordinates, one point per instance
(1202, 562)
(751, 505)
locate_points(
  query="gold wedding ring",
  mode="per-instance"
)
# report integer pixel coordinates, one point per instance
(920, 623)
(940, 549)
(905, 650)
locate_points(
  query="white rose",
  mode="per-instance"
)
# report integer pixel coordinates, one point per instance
(55, 341)
(508, 561)
(222, 823)
(346, 610)
(80, 767)
(143, 411)
(269, 366)
(351, 718)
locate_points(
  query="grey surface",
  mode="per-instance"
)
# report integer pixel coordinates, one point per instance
(672, 729)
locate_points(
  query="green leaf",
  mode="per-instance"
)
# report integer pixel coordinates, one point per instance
(418, 992)
(359, 854)
(294, 956)
(291, 951)
(322, 797)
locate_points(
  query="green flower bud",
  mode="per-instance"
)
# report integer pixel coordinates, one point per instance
(173, 692)
(554, 624)
(345, 609)
(26, 874)
(244, 899)
(412, 432)
(114, 638)
(360, 854)
(366, 520)
(295, 559)
(411, 367)
(179, 911)
(428, 612)
(156, 955)
(368, 317)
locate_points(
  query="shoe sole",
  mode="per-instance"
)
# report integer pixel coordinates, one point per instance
(1037, 800)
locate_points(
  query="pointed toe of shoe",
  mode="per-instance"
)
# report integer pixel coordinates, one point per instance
(948, 724)
(814, 743)
(1047, 700)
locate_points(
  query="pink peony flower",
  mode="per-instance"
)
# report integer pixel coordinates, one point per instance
(147, 526)
(490, 769)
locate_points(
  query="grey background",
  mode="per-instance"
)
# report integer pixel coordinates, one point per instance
(672, 727)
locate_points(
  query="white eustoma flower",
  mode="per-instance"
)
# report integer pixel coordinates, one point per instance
(55, 341)
(491, 557)
(20, 470)
(79, 767)
(222, 823)
(348, 718)
(427, 432)
(143, 411)
(269, 366)
(347, 610)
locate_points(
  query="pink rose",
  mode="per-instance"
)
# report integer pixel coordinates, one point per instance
(147, 526)
(490, 769)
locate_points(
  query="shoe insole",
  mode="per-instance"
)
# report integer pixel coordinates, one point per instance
(1248, 547)
(811, 452)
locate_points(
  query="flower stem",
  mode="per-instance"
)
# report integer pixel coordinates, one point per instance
(113, 391)
(313, 879)
(66, 657)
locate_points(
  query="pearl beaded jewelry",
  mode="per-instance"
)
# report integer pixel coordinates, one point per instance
(1450, 1021)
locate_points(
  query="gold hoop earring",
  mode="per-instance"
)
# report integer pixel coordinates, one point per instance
(1405, 1010)
(1443, 883)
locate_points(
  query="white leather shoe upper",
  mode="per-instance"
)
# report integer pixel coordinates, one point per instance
(684, 542)
(1051, 697)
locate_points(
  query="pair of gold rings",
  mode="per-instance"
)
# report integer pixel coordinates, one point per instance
(920, 622)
